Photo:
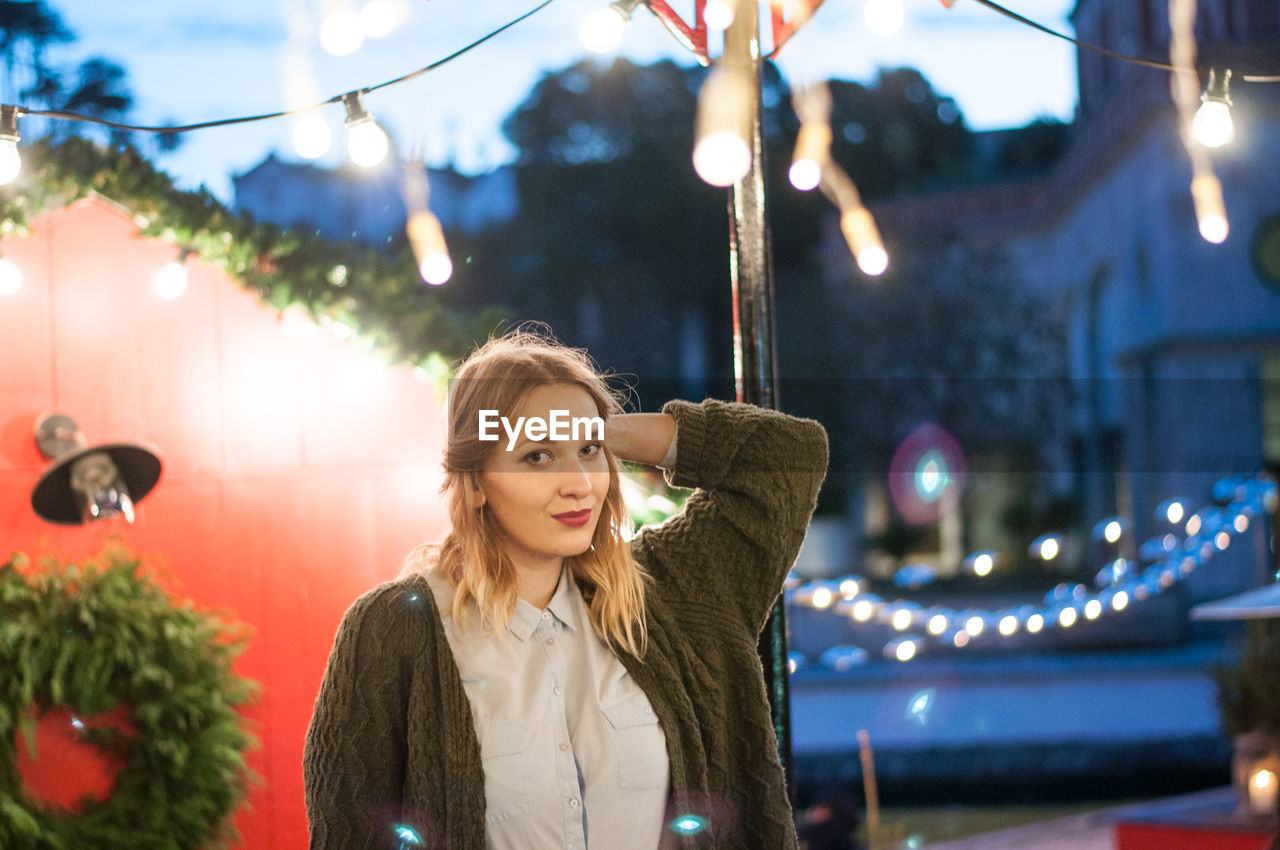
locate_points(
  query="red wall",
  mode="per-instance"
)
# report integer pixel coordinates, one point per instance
(297, 472)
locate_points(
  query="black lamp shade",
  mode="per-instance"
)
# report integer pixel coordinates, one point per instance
(53, 499)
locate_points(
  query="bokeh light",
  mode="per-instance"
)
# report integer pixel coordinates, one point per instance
(925, 474)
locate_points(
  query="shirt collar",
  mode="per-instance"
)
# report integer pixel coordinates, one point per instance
(525, 619)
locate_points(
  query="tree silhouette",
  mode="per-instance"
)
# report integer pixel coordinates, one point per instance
(97, 87)
(623, 250)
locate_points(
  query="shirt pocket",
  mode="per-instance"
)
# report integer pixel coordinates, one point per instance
(503, 753)
(638, 741)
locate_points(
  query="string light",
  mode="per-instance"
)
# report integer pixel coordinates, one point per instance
(10, 159)
(822, 598)
(10, 276)
(980, 563)
(856, 223)
(1211, 212)
(721, 152)
(860, 231)
(1046, 547)
(719, 14)
(426, 237)
(379, 18)
(1172, 511)
(884, 17)
(311, 136)
(602, 30)
(901, 650)
(341, 30)
(850, 587)
(367, 143)
(1069, 603)
(1212, 125)
(813, 142)
(170, 282)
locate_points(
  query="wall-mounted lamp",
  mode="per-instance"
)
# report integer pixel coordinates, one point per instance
(85, 483)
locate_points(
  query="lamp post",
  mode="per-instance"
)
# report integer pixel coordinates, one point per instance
(755, 374)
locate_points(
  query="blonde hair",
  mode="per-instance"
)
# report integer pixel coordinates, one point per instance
(497, 376)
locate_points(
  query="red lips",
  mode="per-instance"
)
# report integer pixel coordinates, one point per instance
(575, 518)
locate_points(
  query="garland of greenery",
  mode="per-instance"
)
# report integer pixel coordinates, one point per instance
(94, 637)
(379, 295)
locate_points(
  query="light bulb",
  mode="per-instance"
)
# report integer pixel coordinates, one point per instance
(341, 32)
(884, 17)
(1212, 125)
(426, 238)
(873, 260)
(10, 276)
(436, 269)
(10, 160)
(1211, 212)
(722, 155)
(311, 137)
(864, 241)
(812, 145)
(367, 144)
(379, 17)
(602, 30)
(171, 280)
(722, 158)
(906, 650)
(719, 14)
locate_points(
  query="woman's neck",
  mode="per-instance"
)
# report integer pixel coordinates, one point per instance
(537, 585)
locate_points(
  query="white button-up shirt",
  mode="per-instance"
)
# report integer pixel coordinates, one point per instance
(571, 748)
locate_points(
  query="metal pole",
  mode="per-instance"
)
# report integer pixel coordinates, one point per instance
(751, 272)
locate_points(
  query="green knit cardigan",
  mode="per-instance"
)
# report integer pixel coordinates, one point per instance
(392, 745)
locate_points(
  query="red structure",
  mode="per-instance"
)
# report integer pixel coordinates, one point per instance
(298, 471)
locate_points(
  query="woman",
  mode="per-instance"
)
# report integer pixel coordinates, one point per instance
(535, 681)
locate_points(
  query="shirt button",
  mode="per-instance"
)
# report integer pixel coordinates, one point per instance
(564, 747)
(648, 710)
(557, 690)
(546, 616)
(550, 641)
(573, 804)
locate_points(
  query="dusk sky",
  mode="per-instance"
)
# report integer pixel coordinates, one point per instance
(202, 60)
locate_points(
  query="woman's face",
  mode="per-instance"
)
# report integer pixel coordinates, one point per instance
(547, 494)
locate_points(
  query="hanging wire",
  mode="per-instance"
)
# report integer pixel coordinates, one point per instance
(1083, 45)
(223, 122)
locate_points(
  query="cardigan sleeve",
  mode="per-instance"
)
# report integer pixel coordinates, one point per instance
(757, 474)
(354, 760)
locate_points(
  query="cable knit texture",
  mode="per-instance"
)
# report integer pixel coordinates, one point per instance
(392, 743)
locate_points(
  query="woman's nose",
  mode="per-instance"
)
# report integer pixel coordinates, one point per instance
(575, 481)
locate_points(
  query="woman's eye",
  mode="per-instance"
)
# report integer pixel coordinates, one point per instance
(537, 458)
(591, 449)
